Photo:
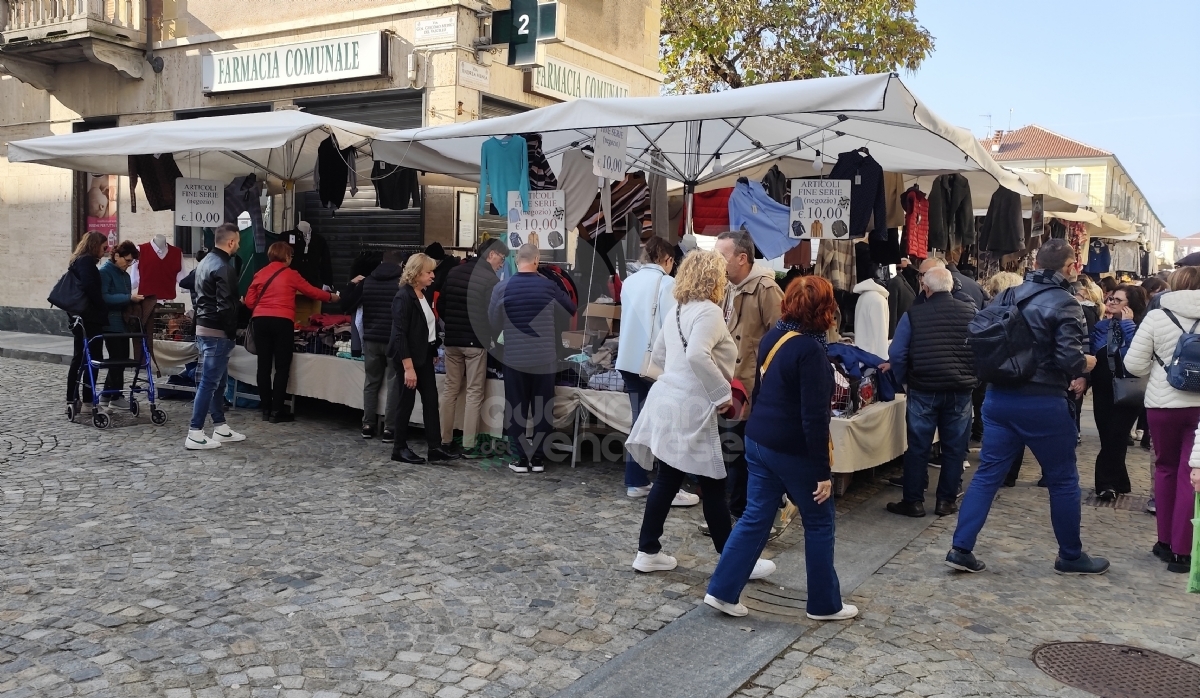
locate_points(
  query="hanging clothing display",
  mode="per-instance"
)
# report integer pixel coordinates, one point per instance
(766, 220)
(1144, 263)
(1126, 257)
(951, 217)
(886, 251)
(158, 270)
(503, 167)
(777, 185)
(334, 172)
(871, 317)
(1077, 238)
(893, 188)
(541, 177)
(835, 262)
(900, 299)
(396, 188)
(916, 223)
(1099, 258)
(710, 212)
(243, 194)
(864, 267)
(1002, 230)
(660, 212)
(157, 174)
(578, 184)
(1056, 229)
(867, 204)
(310, 255)
(630, 210)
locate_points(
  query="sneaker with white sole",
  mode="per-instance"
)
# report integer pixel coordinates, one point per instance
(685, 499)
(736, 610)
(762, 568)
(197, 441)
(848, 611)
(118, 403)
(638, 492)
(658, 562)
(223, 434)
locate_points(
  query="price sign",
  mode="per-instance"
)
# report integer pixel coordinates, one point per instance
(544, 224)
(820, 209)
(609, 159)
(199, 202)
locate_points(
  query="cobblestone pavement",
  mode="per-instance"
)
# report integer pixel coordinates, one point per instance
(925, 630)
(305, 563)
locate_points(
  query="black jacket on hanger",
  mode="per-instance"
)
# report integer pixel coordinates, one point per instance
(951, 216)
(866, 193)
(1002, 231)
(333, 173)
(312, 259)
(395, 187)
(775, 182)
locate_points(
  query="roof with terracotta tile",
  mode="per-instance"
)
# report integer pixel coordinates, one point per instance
(1036, 143)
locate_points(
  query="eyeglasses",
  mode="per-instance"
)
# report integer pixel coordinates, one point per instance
(1114, 299)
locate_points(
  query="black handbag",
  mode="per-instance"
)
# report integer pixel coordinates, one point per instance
(248, 342)
(68, 294)
(1128, 391)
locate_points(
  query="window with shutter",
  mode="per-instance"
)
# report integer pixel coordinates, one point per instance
(1085, 184)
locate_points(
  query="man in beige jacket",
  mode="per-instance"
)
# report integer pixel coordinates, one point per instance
(752, 303)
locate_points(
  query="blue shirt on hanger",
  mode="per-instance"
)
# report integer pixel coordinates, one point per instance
(503, 167)
(764, 218)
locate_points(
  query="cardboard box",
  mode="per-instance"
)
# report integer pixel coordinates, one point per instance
(579, 340)
(602, 317)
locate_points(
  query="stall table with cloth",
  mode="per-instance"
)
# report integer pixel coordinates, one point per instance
(339, 380)
(873, 436)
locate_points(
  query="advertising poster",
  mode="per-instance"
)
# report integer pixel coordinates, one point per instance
(544, 224)
(820, 209)
(101, 203)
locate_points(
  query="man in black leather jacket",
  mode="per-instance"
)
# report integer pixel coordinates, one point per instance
(1037, 414)
(216, 313)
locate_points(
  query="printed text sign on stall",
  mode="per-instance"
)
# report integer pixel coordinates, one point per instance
(609, 158)
(199, 202)
(820, 209)
(544, 224)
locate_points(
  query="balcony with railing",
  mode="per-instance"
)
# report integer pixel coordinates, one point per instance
(40, 35)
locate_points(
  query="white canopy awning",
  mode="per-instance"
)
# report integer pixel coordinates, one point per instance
(277, 146)
(748, 127)
(1100, 225)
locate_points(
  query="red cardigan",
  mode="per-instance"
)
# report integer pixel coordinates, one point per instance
(280, 300)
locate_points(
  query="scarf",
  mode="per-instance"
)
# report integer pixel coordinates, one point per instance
(793, 326)
(1049, 276)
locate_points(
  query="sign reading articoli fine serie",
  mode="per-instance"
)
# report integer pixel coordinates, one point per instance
(325, 60)
(566, 81)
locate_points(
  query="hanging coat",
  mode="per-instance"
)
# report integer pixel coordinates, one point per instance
(1002, 231)
(951, 217)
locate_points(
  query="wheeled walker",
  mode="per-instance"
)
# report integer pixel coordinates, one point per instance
(100, 418)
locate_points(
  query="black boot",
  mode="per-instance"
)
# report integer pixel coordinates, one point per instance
(266, 414)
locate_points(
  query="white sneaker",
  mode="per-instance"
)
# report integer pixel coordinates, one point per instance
(223, 433)
(197, 441)
(736, 610)
(762, 568)
(658, 562)
(118, 403)
(848, 611)
(638, 492)
(685, 499)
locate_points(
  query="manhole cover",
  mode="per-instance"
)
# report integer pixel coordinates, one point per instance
(1118, 671)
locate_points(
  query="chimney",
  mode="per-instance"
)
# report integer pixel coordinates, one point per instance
(997, 139)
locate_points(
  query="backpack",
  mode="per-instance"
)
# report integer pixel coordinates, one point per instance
(68, 294)
(1183, 373)
(1002, 343)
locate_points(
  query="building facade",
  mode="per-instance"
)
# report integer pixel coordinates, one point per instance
(75, 65)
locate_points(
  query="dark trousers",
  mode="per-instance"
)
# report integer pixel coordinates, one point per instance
(1114, 424)
(529, 400)
(658, 505)
(638, 389)
(1012, 421)
(77, 372)
(274, 338)
(427, 387)
(117, 349)
(733, 448)
(949, 414)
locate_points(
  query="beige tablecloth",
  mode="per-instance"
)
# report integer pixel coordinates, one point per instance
(874, 436)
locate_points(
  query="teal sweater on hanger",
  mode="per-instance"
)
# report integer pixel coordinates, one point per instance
(503, 167)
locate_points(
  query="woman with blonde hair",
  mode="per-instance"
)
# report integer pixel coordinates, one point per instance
(677, 425)
(1000, 282)
(412, 349)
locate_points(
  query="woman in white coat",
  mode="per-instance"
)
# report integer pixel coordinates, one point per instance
(678, 423)
(1172, 414)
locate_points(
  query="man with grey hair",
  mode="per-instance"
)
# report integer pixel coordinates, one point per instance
(958, 291)
(929, 354)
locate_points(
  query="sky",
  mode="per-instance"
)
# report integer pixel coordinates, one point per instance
(1120, 76)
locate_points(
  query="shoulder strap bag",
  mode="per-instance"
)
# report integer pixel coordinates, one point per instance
(248, 342)
(649, 370)
(1128, 391)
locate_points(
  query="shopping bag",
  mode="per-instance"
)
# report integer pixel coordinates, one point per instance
(1194, 580)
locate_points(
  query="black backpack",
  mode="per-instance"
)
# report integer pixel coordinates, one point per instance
(68, 294)
(1002, 342)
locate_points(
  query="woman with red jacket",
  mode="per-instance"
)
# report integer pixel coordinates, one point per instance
(272, 297)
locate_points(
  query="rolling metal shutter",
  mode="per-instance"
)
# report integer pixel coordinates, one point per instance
(490, 108)
(388, 109)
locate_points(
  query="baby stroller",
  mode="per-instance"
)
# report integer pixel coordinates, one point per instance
(100, 419)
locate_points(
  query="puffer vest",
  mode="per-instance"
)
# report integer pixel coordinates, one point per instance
(939, 358)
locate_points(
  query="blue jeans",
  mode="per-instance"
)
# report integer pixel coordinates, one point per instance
(1012, 421)
(638, 389)
(772, 473)
(212, 372)
(949, 413)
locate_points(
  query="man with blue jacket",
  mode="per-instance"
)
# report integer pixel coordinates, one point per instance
(523, 308)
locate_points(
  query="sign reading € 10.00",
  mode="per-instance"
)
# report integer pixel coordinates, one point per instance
(199, 202)
(608, 161)
(543, 224)
(820, 209)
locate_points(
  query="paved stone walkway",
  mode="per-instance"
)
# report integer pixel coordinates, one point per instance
(926, 630)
